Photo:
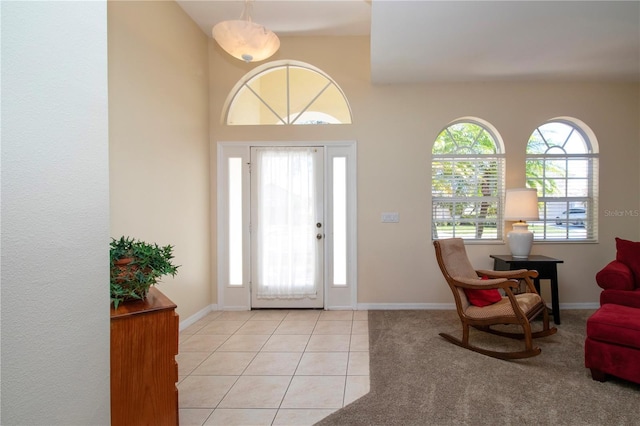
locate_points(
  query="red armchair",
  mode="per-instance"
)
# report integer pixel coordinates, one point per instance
(612, 346)
(619, 285)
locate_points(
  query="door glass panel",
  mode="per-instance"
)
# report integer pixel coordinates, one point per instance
(339, 221)
(235, 222)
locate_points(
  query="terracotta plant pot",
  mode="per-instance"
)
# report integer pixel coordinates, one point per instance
(124, 272)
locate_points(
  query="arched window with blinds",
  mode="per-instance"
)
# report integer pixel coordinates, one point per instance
(562, 164)
(467, 180)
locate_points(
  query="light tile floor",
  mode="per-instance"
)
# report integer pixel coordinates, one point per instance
(271, 367)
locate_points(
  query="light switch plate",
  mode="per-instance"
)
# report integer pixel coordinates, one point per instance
(390, 217)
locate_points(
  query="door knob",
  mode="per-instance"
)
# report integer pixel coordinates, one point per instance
(319, 236)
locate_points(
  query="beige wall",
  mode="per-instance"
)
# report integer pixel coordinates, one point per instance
(158, 138)
(395, 127)
(157, 106)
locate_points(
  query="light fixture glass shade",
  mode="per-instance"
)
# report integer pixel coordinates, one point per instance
(246, 40)
(521, 204)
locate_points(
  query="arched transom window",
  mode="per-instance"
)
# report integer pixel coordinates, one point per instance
(467, 177)
(286, 92)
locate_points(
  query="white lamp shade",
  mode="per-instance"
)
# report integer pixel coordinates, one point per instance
(521, 204)
(246, 40)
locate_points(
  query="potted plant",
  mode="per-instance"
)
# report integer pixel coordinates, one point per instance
(136, 266)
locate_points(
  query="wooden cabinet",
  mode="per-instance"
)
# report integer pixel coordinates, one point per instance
(144, 372)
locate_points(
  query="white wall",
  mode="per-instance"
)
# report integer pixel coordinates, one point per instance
(159, 140)
(55, 206)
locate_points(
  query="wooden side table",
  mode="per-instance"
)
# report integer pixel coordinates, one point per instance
(547, 270)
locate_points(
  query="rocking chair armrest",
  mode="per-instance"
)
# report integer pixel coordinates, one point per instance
(476, 284)
(515, 274)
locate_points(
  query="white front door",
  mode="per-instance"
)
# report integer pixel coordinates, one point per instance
(287, 227)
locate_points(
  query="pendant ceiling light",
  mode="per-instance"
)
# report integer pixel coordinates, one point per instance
(244, 39)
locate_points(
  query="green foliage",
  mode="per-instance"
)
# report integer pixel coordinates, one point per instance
(464, 138)
(148, 263)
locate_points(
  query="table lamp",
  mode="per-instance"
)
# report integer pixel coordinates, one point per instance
(521, 204)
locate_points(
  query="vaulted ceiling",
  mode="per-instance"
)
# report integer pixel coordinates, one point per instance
(436, 41)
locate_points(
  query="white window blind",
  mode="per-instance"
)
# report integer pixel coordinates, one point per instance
(467, 175)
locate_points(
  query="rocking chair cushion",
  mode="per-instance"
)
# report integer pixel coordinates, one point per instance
(526, 301)
(483, 297)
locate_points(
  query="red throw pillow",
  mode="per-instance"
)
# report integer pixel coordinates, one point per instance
(628, 252)
(483, 297)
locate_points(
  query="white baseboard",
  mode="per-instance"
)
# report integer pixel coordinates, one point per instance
(197, 316)
(340, 308)
(236, 308)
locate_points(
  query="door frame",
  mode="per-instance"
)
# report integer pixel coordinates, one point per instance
(238, 297)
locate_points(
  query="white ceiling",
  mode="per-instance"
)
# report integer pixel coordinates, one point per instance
(450, 40)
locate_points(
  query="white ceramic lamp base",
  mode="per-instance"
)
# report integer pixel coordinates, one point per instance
(520, 240)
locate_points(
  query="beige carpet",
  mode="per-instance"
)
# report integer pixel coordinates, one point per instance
(418, 378)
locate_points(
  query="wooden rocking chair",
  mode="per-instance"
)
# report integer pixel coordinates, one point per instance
(517, 309)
